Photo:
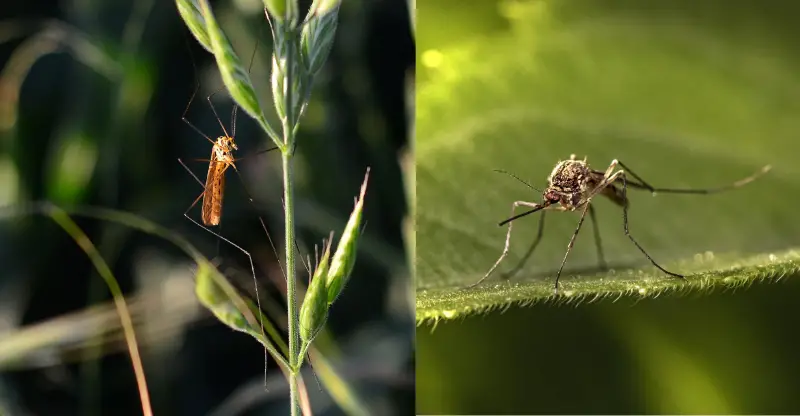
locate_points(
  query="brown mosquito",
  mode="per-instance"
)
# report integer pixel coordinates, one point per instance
(572, 185)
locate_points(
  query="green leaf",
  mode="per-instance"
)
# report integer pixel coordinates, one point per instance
(680, 106)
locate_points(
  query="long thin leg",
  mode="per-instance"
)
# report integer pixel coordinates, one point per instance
(569, 246)
(191, 173)
(627, 232)
(597, 242)
(652, 189)
(532, 247)
(508, 239)
(249, 155)
(186, 110)
(249, 257)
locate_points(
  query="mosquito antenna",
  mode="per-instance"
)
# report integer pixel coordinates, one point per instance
(737, 184)
(517, 178)
(531, 211)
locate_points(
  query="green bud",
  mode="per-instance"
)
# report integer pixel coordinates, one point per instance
(234, 75)
(282, 10)
(217, 294)
(193, 17)
(276, 9)
(289, 76)
(278, 88)
(345, 257)
(322, 7)
(317, 36)
(314, 311)
(221, 299)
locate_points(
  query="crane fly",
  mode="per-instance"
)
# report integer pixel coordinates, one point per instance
(221, 159)
(571, 186)
(214, 187)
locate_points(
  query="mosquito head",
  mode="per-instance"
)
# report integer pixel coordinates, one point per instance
(226, 143)
(229, 142)
(223, 148)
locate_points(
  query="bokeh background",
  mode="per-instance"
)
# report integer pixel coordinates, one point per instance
(688, 94)
(91, 99)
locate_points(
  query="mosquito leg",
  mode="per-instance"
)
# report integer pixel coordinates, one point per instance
(734, 185)
(569, 246)
(637, 177)
(597, 241)
(249, 257)
(193, 175)
(532, 247)
(248, 156)
(627, 232)
(508, 240)
(186, 110)
(610, 170)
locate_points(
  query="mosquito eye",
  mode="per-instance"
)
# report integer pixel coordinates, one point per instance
(552, 197)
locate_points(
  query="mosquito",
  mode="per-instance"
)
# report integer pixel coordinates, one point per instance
(573, 184)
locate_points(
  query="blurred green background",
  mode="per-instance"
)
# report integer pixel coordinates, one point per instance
(91, 98)
(686, 93)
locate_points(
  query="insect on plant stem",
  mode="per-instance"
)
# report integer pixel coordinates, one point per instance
(214, 187)
(571, 187)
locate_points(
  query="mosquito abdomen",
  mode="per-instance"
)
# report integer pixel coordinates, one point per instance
(212, 196)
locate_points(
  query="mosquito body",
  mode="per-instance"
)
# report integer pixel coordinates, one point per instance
(221, 160)
(571, 187)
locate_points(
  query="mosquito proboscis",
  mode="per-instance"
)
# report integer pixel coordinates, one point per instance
(573, 184)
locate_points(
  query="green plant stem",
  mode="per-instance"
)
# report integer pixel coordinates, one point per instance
(291, 290)
(288, 198)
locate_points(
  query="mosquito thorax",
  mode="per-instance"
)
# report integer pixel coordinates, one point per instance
(570, 176)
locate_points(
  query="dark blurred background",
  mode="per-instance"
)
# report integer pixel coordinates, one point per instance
(91, 99)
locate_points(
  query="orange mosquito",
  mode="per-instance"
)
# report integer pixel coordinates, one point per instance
(221, 159)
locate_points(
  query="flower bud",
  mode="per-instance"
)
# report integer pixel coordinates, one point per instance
(345, 257)
(276, 9)
(316, 39)
(314, 311)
